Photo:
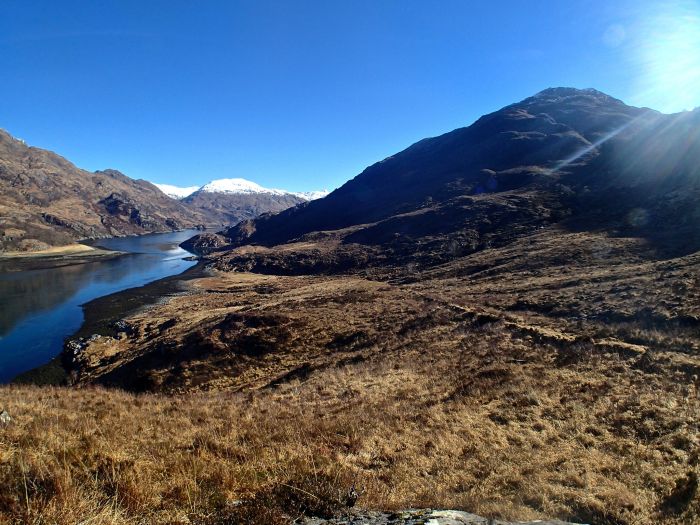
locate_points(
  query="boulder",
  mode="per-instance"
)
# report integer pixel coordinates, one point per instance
(5, 418)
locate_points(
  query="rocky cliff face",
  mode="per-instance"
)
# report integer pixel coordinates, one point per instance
(47, 201)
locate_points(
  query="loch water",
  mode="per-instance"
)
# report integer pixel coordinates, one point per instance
(39, 309)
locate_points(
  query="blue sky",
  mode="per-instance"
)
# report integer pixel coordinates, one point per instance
(304, 94)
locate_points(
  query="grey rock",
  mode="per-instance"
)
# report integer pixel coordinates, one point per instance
(422, 517)
(5, 418)
(123, 328)
(74, 347)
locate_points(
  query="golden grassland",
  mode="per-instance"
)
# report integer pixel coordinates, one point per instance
(515, 395)
(526, 436)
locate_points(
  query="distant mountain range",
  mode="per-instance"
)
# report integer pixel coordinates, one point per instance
(236, 186)
(176, 192)
(228, 201)
(45, 201)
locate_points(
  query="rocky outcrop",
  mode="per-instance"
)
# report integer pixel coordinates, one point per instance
(204, 243)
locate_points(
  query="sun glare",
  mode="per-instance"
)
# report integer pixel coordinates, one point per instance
(668, 55)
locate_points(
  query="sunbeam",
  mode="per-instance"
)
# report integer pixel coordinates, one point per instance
(667, 56)
(573, 158)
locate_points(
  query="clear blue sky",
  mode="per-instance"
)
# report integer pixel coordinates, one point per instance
(305, 94)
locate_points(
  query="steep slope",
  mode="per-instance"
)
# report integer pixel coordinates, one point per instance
(562, 154)
(47, 201)
(229, 201)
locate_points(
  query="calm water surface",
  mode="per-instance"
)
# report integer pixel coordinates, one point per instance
(40, 308)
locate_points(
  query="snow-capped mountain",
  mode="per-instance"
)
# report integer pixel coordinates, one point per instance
(240, 186)
(176, 192)
(227, 201)
(235, 186)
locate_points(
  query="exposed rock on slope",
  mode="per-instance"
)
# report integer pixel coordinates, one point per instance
(420, 517)
(47, 201)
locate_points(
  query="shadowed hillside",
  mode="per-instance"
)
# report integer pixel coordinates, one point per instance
(227, 209)
(576, 157)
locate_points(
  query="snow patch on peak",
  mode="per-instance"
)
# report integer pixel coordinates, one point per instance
(237, 186)
(244, 186)
(176, 192)
(311, 195)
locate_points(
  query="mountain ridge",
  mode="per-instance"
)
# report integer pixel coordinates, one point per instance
(235, 186)
(565, 153)
(45, 200)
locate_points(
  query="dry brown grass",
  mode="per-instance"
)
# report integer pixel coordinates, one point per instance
(502, 385)
(482, 420)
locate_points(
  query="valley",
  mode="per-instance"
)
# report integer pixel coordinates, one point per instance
(489, 390)
(503, 319)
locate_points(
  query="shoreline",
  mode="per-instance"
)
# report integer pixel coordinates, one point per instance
(101, 313)
(55, 257)
(80, 252)
(54, 250)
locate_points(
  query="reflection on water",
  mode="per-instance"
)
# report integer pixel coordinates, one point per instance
(40, 308)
